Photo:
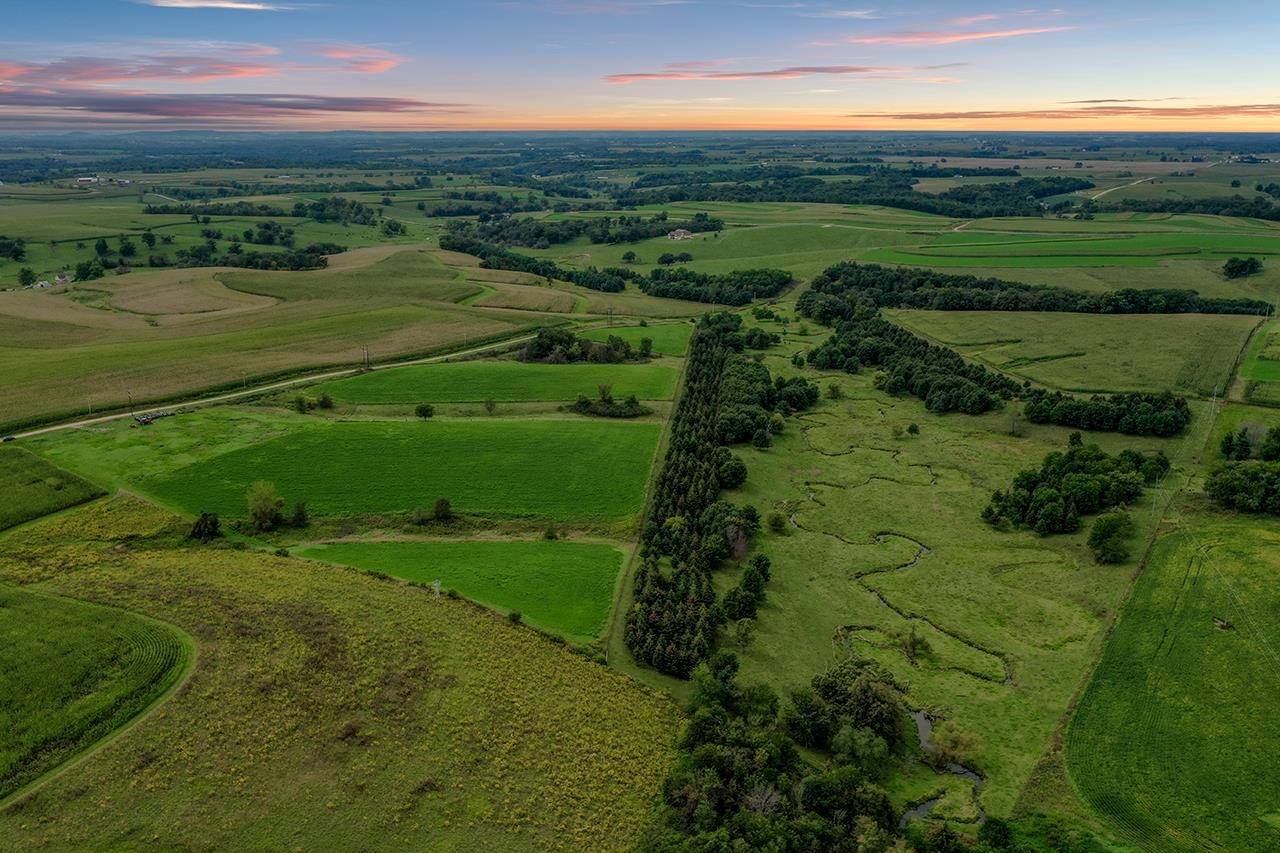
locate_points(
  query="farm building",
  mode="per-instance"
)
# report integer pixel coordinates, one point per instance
(680, 234)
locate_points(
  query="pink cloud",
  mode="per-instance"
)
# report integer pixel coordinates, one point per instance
(88, 70)
(1114, 111)
(228, 105)
(361, 58)
(940, 37)
(789, 73)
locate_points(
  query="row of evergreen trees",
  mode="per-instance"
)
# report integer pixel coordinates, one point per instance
(734, 288)
(1162, 415)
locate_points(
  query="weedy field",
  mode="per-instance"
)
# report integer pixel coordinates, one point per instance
(565, 588)
(32, 487)
(335, 709)
(1188, 353)
(476, 381)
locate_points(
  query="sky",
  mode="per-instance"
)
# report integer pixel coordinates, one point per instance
(639, 65)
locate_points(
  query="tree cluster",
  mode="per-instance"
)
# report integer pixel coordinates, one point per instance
(543, 233)
(493, 256)
(1241, 267)
(1246, 486)
(1162, 415)
(740, 782)
(1256, 207)
(13, 248)
(735, 288)
(1252, 440)
(1084, 480)
(839, 290)
(936, 374)
(561, 346)
(225, 208)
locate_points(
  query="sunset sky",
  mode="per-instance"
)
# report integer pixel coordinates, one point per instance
(639, 64)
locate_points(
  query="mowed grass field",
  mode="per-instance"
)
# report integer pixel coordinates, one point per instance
(334, 709)
(565, 470)
(475, 381)
(1173, 742)
(70, 673)
(1188, 353)
(562, 587)
(31, 487)
(668, 338)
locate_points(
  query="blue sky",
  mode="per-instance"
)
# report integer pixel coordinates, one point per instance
(634, 64)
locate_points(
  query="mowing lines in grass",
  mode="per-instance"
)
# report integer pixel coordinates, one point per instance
(562, 587)
(566, 470)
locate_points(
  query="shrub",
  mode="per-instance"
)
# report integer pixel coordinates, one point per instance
(777, 522)
(420, 516)
(490, 406)
(913, 429)
(324, 401)
(442, 511)
(424, 410)
(207, 528)
(834, 392)
(1108, 540)
(515, 617)
(299, 517)
(301, 404)
(266, 507)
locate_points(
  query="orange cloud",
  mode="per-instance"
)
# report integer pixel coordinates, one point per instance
(684, 72)
(939, 37)
(1113, 111)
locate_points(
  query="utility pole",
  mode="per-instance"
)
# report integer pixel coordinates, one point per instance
(610, 316)
(130, 393)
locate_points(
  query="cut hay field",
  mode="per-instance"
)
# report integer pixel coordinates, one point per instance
(1172, 745)
(562, 587)
(71, 673)
(31, 487)
(335, 710)
(668, 338)
(565, 470)
(1187, 353)
(884, 536)
(474, 381)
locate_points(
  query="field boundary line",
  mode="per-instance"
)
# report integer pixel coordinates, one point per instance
(191, 655)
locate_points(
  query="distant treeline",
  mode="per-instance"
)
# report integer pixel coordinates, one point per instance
(331, 209)
(837, 291)
(542, 233)
(310, 257)
(674, 616)
(1256, 207)
(891, 188)
(785, 172)
(936, 374)
(734, 288)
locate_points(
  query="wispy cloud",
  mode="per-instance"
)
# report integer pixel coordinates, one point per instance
(237, 5)
(361, 58)
(1117, 110)
(225, 105)
(942, 37)
(789, 73)
(89, 71)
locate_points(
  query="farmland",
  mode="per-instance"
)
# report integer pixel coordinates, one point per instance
(476, 381)
(95, 668)
(554, 468)
(1190, 353)
(32, 487)
(390, 713)
(668, 338)
(562, 587)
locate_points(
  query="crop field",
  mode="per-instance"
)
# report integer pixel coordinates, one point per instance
(562, 587)
(1172, 743)
(1188, 353)
(475, 381)
(62, 357)
(884, 536)
(330, 708)
(558, 469)
(668, 338)
(32, 487)
(93, 669)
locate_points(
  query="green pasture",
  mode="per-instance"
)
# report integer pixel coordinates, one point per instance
(565, 470)
(71, 673)
(1187, 353)
(668, 338)
(32, 487)
(1172, 742)
(562, 587)
(475, 381)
